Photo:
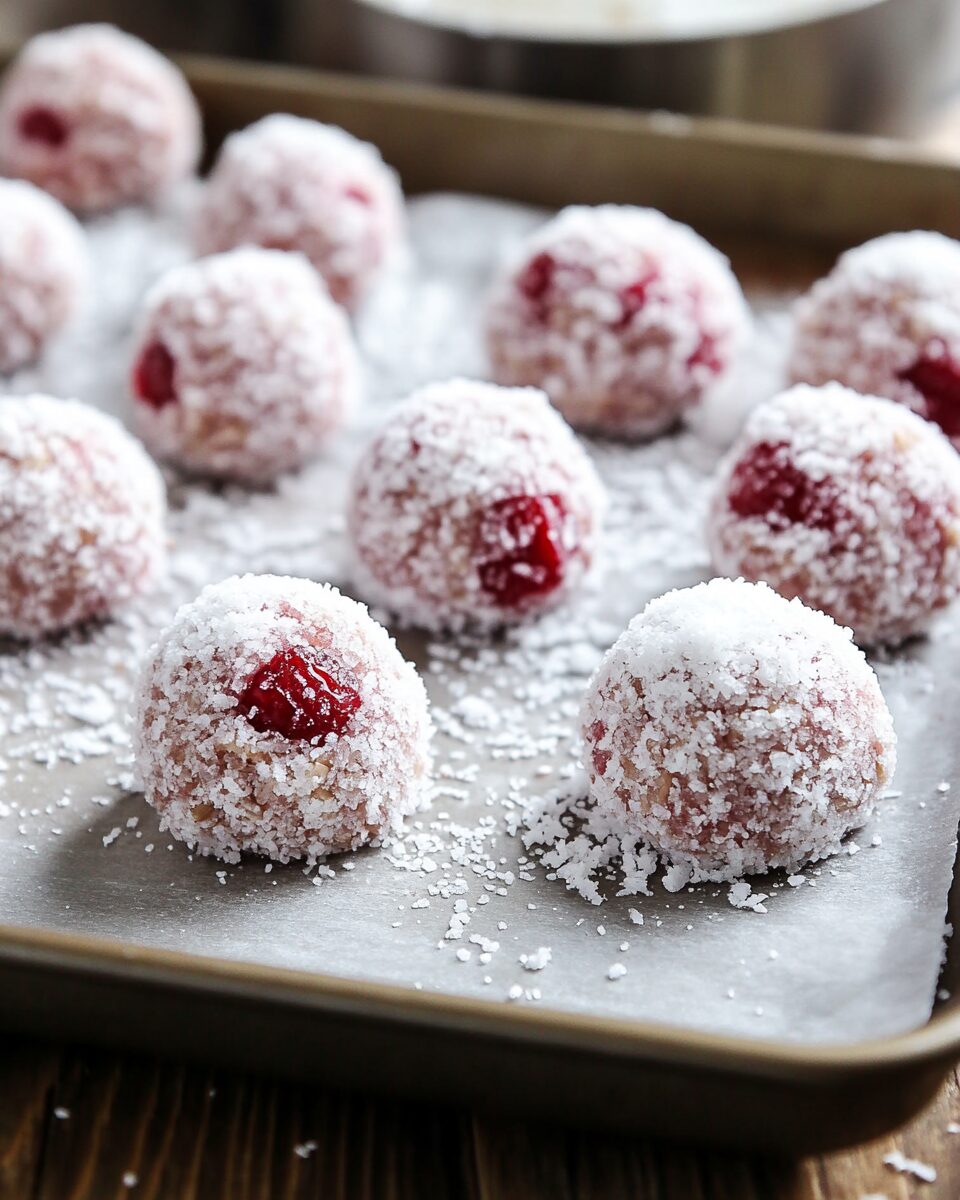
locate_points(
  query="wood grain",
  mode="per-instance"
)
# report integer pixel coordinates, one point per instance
(139, 1129)
(28, 1076)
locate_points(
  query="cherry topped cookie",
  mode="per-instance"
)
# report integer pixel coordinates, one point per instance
(474, 505)
(625, 318)
(276, 717)
(850, 502)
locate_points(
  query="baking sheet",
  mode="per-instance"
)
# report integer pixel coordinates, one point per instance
(476, 898)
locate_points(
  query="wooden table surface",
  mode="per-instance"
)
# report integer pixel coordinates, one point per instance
(81, 1124)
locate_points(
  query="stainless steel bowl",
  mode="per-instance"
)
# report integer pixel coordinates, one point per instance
(865, 65)
(869, 65)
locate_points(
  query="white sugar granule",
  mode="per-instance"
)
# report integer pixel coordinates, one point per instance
(897, 1161)
(537, 960)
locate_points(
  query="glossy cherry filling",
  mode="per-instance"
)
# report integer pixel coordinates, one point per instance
(937, 379)
(766, 483)
(153, 376)
(40, 124)
(520, 554)
(301, 693)
(536, 277)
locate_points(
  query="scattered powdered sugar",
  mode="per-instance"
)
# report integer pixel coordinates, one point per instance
(505, 858)
(898, 1161)
(741, 895)
(537, 960)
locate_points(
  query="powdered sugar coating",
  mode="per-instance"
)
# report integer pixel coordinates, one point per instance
(293, 184)
(225, 788)
(424, 490)
(43, 271)
(82, 511)
(263, 365)
(129, 125)
(736, 731)
(886, 306)
(858, 513)
(625, 318)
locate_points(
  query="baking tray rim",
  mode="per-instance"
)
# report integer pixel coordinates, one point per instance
(114, 960)
(937, 1040)
(214, 70)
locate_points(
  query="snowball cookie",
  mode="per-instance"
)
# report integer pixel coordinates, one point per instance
(886, 322)
(736, 731)
(850, 502)
(276, 717)
(474, 505)
(243, 366)
(293, 184)
(98, 118)
(82, 511)
(44, 271)
(624, 318)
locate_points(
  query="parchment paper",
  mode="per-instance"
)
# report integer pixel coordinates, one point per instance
(851, 948)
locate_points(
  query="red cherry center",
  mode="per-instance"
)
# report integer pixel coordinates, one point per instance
(633, 297)
(40, 124)
(707, 355)
(766, 483)
(937, 379)
(536, 277)
(520, 554)
(301, 694)
(153, 376)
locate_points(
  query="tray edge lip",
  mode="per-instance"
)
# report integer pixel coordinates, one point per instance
(120, 961)
(656, 123)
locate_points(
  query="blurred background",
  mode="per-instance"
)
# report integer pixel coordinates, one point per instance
(879, 66)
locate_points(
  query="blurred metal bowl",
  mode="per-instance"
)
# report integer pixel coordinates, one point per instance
(863, 65)
(867, 65)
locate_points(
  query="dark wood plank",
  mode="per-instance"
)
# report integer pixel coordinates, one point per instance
(185, 1133)
(28, 1076)
(861, 1172)
(519, 1162)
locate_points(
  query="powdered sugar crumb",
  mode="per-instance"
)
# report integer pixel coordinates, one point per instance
(898, 1161)
(537, 960)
